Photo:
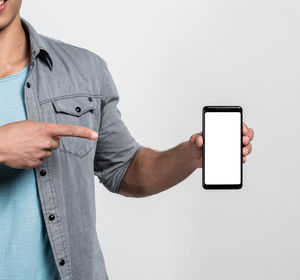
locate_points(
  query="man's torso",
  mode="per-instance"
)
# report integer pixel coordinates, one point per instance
(25, 248)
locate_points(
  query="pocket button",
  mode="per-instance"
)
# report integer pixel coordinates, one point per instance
(78, 109)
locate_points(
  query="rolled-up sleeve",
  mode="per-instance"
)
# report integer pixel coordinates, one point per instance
(116, 146)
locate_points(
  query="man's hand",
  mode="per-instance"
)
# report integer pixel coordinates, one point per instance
(25, 144)
(197, 141)
(151, 171)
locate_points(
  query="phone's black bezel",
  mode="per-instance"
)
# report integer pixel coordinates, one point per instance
(221, 109)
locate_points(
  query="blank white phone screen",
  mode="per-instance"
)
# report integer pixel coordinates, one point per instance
(222, 148)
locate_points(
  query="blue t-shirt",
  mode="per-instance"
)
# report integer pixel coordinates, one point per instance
(25, 251)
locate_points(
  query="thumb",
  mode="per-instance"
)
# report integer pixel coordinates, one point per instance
(197, 139)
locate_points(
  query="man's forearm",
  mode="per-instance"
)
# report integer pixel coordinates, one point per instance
(151, 171)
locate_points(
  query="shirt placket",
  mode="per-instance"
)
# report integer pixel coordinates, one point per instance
(46, 190)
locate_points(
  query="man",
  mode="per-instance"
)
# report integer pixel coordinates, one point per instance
(55, 98)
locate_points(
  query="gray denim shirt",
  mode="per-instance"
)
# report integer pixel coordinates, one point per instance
(72, 85)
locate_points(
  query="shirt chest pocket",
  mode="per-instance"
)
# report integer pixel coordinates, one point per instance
(81, 111)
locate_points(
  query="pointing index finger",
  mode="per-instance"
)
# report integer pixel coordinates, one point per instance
(72, 130)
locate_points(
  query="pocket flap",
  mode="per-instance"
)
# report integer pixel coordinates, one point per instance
(75, 105)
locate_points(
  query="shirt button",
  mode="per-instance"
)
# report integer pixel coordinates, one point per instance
(51, 217)
(61, 262)
(28, 84)
(90, 99)
(43, 172)
(78, 109)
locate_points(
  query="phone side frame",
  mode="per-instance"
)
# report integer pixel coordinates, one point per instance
(221, 109)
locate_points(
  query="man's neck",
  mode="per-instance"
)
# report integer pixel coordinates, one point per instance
(14, 48)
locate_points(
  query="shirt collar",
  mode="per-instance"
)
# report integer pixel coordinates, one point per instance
(37, 45)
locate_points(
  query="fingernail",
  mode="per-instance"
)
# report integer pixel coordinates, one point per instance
(94, 135)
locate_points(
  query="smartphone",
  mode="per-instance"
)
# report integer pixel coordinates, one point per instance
(222, 158)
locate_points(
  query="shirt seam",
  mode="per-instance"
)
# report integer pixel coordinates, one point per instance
(68, 96)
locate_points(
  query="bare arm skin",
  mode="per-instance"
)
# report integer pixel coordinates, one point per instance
(151, 172)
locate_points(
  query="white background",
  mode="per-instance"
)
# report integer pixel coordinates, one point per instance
(169, 59)
(222, 148)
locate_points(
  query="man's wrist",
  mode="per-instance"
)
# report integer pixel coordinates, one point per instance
(194, 154)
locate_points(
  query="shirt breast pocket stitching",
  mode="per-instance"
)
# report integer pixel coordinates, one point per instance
(76, 110)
